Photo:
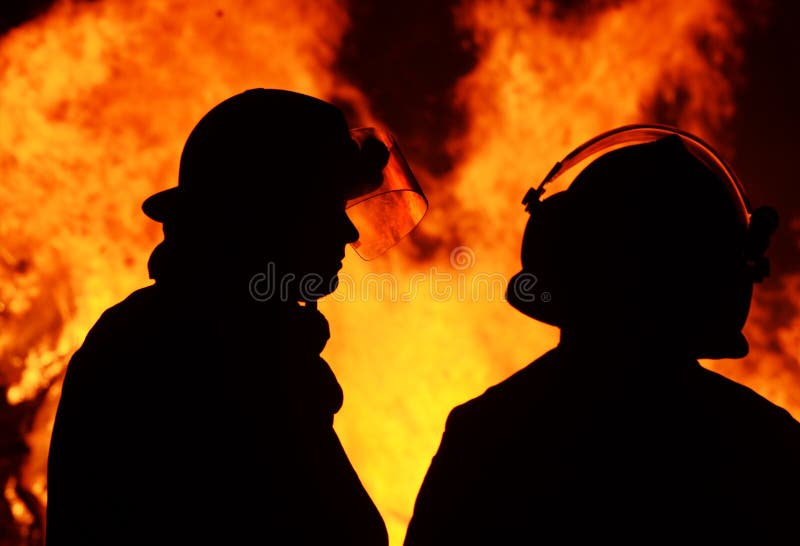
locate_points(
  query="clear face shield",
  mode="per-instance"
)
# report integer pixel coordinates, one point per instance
(566, 171)
(392, 203)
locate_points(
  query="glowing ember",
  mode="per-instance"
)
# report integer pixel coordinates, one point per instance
(97, 98)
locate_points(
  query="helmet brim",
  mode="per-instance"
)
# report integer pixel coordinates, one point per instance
(163, 205)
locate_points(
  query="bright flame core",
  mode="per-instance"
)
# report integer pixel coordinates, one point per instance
(96, 100)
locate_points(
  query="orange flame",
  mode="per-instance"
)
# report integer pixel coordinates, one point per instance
(96, 100)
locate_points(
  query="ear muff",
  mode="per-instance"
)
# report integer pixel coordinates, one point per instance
(542, 279)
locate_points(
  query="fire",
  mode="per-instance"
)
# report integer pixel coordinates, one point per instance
(96, 100)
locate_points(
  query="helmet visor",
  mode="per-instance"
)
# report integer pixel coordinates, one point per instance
(389, 208)
(567, 170)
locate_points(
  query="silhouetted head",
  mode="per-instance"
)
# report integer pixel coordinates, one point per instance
(263, 182)
(646, 244)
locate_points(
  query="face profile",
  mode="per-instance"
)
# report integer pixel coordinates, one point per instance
(320, 233)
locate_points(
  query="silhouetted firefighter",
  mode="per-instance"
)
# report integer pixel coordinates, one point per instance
(199, 410)
(646, 262)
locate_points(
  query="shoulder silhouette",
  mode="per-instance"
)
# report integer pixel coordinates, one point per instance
(618, 435)
(199, 410)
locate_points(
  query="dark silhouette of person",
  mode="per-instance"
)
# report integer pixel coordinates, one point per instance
(198, 410)
(618, 435)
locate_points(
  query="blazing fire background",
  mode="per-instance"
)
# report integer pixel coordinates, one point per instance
(97, 98)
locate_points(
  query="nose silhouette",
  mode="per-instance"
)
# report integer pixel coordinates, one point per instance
(349, 230)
